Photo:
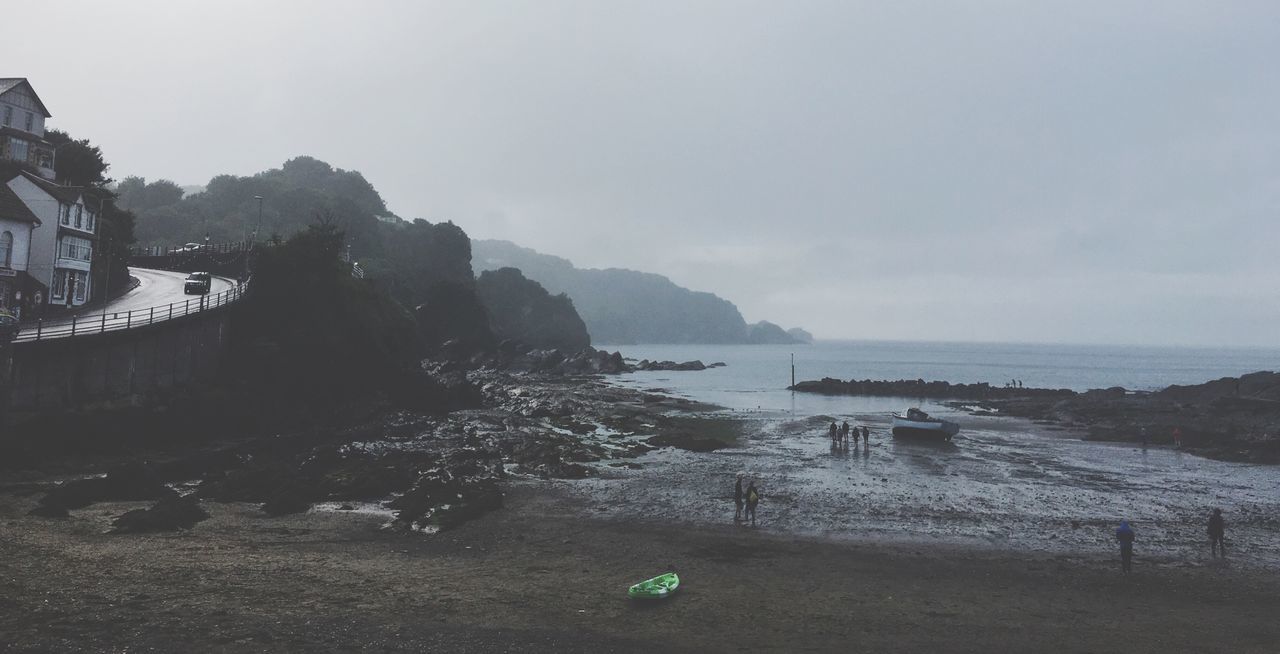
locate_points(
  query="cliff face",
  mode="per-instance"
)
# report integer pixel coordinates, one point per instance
(522, 310)
(625, 306)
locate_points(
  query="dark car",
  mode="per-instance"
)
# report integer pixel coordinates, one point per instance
(197, 283)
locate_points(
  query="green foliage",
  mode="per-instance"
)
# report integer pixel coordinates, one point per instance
(522, 310)
(418, 256)
(228, 210)
(312, 333)
(115, 238)
(135, 194)
(77, 162)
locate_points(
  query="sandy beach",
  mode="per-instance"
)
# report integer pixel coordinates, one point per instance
(544, 574)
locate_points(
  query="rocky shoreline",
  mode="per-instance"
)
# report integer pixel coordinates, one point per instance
(435, 472)
(1233, 418)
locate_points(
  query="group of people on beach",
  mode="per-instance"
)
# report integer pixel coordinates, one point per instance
(1217, 530)
(840, 434)
(747, 499)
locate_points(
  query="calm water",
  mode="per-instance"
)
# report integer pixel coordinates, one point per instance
(1006, 482)
(757, 375)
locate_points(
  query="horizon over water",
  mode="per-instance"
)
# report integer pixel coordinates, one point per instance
(758, 375)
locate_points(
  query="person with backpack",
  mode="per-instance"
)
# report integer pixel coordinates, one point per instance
(1124, 534)
(753, 498)
(1217, 534)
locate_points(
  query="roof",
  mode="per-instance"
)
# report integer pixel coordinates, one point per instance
(68, 194)
(9, 83)
(26, 136)
(13, 208)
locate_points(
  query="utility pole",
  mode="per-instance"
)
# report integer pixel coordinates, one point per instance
(259, 226)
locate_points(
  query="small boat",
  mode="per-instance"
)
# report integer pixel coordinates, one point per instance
(657, 588)
(918, 424)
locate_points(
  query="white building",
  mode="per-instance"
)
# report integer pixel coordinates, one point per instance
(17, 223)
(61, 248)
(22, 117)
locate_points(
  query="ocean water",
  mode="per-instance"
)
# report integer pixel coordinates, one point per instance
(756, 376)
(1003, 482)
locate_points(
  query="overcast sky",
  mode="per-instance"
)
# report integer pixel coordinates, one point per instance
(1087, 172)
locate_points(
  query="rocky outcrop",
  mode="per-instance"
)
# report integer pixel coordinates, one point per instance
(919, 388)
(800, 335)
(767, 333)
(624, 306)
(169, 514)
(522, 310)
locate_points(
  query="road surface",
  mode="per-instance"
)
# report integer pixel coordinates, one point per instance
(156, 288)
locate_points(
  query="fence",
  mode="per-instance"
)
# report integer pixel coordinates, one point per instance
(119, 320)
(193, 248)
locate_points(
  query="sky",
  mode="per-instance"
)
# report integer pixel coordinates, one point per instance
(1074, 172)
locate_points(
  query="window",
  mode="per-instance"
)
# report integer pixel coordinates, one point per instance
(59, 288)
(6, 250)
(89, 220)
(31, 122)
(75, 248)
(8, 116)
(17, 149)
(44, 158)
(64, 214)
(79, 214)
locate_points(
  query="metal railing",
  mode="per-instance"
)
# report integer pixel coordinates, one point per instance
(110, 321)
(194, 248)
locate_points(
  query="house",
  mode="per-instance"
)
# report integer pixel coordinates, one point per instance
(17, 222)
(60, 251)
(22, 117)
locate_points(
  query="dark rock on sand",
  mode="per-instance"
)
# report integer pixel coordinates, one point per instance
(126, 482)
(169, 514)
(448, 495)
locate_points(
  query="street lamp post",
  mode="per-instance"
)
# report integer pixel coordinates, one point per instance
(259, 225)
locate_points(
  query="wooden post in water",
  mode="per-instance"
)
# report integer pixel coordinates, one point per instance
(793, 370)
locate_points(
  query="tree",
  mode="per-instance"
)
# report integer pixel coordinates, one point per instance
(77, 163)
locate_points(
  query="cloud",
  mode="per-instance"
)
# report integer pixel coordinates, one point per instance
(1025, 171)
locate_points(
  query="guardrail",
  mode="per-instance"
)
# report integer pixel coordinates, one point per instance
(111, 321)
(194, 248)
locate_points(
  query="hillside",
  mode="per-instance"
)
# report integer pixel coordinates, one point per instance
(626, 306)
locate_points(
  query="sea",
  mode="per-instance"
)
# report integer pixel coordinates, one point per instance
(1005, 483)
(756, 376)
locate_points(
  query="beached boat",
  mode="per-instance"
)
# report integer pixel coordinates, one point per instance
(657, 588)
(918, 424)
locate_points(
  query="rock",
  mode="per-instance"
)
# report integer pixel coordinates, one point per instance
(169, 514)
(128, 482)
(292, 498)
(50, 511)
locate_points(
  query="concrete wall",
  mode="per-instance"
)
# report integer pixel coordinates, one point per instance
(86, 370)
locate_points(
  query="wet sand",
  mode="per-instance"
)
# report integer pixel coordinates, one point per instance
(548, 573)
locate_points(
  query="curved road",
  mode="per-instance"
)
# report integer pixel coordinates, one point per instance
(156, 288)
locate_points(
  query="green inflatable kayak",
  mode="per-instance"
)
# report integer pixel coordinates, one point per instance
(657, 588)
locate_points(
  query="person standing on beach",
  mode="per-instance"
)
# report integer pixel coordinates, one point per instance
(737, 499)
(834, 433)
(1124, 534)
(844, 433)
(1217, 534)
(866, 436)
(753, 498)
